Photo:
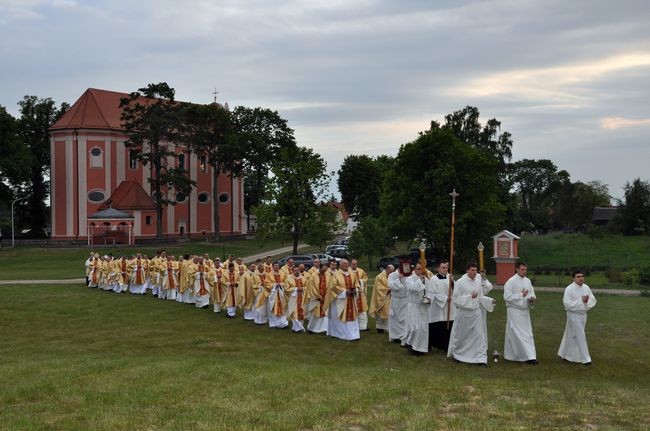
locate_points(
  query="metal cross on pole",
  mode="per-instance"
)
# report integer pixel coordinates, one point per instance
(453, 195)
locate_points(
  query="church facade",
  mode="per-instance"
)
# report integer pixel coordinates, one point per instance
(101, 194)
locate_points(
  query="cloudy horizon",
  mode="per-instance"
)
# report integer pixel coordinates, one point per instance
(364, 77)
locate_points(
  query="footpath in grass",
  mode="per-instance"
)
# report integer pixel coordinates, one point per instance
(78, 358)
(61, 263)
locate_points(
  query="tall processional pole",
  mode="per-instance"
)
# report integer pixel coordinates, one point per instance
(453, 195)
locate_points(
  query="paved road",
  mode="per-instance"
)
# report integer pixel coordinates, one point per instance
(253, 257)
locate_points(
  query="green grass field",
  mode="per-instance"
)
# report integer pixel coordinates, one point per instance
(74, 358)
(567, 250)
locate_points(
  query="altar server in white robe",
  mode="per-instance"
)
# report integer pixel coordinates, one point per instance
(341, 304)
(441, 307)
(578, 299)
(519, 296)
(419, 291)
(398, 302)
(88, 266)
(468, 340)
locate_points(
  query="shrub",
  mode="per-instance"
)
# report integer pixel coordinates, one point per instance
(644, 275)
(614, 275)
(631, 277)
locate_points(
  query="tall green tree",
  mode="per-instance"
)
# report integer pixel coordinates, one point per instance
(300, 177)
(360, 183)
(321, 227)
(260, 133)
(208, 132)
(152, 121)
(425, 172)
(576, 203)
(465, 125)
(533, 182)
(14, 158)
(635, 210)
(36, 117)
(371, 238)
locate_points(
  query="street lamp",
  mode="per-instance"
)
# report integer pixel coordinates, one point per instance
(13, 240)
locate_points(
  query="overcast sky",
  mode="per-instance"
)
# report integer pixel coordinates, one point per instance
(569, 80)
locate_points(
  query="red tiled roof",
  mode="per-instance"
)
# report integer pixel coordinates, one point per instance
(340, 207)
(129, 195)
(95, 109)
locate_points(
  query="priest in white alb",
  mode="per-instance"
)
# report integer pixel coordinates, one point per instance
(441, 312)
(577, 300)
(519, 296)
(468, 341)
(398, 302)
(420, 291)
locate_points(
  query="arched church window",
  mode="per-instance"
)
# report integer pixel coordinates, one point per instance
(96, 158)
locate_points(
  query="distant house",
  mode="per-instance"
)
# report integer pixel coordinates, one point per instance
(342, 216)
(603, 215)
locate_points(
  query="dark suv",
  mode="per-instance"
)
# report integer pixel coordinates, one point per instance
(297, 260)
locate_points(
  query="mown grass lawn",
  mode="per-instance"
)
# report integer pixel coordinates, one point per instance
(77, 358)
(568, 250)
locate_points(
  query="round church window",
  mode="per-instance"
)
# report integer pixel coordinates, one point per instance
(96, 196)
(203, 197)
(224, 198)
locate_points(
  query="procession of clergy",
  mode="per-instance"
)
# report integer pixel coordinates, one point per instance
(421, 311)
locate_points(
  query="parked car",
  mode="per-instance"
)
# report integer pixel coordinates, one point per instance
(323, 257)
(388, 260)
(340, 253)
(413, 256)
(331, 247)
(306, 259)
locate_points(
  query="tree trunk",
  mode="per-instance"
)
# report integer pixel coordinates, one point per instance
(295, 241)
(158, 190)
(215, 203)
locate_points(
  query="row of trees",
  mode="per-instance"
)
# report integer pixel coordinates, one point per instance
(284, 182)
(406, 197)
(25, 161)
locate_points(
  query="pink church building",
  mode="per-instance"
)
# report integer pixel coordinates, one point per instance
(101, 194)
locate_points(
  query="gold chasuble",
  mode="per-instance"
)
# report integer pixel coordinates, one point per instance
(317, 286)
(362, 302)
(350, 312)
(217, 292)
(278, 278)
(229, 281)
(380, 301)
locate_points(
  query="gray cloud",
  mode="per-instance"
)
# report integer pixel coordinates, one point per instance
(567, 79)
